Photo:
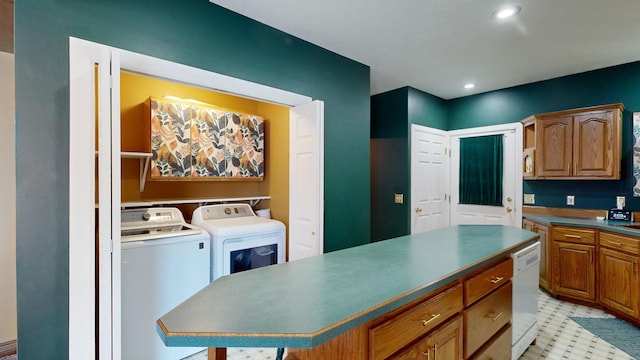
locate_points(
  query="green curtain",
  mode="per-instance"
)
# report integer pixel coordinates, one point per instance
(481, 170)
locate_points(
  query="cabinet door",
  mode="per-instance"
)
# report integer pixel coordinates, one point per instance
(554, 147)
(619, 281)
(443, 343)
(527, 225)
(593, 144)
(574, 267)
(545, 258)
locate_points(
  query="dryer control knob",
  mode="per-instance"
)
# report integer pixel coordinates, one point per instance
(227, 211)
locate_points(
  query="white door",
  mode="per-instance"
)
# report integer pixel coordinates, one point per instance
(511, 211)
(306, 174)
(429, 179)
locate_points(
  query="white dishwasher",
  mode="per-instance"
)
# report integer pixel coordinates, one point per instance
(526, 273)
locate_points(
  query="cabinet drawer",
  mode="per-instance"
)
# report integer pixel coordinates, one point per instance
(574, 235)
(499, 348)
(488, 280)
(620, 242)
(443, 343)
(390, 336)
(486, 317)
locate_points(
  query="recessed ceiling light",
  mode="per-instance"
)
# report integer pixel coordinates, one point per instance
(469, 86)
(506, 12)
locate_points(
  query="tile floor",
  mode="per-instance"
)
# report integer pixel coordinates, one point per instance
(558, 337)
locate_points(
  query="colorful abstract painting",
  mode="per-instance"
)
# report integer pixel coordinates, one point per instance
(208, 142)
(636, 153)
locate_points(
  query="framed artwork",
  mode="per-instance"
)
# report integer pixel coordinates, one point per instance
(636, 153)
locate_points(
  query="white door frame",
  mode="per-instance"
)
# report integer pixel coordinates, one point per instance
(83, 57)
(516, 129)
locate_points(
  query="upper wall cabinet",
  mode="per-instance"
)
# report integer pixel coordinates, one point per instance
(204, 142)
(574, 144)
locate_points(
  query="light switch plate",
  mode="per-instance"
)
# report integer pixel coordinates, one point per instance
(571, 200)
(620, 202)
(530, 199)
(399, 198)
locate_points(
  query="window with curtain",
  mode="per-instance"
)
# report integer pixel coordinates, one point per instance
(481, 170)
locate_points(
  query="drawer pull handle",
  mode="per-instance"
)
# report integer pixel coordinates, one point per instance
(433, 348)
(495, 316)
(497, 279)
(572, 236)
(615, 243)
(433, 317)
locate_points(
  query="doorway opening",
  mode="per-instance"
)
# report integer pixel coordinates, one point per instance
(95, 75)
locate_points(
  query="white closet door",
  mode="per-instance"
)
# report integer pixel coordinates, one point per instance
(306, 174)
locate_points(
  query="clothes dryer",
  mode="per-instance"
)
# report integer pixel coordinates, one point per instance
(240, 240)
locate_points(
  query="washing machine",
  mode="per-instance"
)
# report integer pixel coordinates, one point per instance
(164, 261)
(240, 240)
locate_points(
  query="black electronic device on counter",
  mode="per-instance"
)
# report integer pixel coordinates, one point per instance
(617, 214)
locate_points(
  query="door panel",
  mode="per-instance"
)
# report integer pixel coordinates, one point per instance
(429, 179)
(305, 181)
(511, 211)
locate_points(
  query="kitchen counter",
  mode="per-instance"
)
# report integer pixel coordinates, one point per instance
(304, 303)
(616, 226)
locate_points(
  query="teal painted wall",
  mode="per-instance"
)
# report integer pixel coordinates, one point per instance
(618, 84)
(392, 114)
(195, 33)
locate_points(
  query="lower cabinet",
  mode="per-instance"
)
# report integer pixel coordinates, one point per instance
(486, 317)
(574, 263)
(444, 343)
(545, 252)
(594, 266)
(619, 273)
(467, 319)
(499, 348)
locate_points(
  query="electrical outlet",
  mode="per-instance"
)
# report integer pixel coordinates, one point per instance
(529, 199)
(399, 198)
(620, 202)
(571, 200)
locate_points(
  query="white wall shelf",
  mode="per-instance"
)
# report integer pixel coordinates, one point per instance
(145, 159)
(253, 200)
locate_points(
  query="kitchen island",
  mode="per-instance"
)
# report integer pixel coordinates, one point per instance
(330, 299)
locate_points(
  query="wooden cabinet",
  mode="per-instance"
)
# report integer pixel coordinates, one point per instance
(486, 317)
(395, 333)
(488, 280)
(619, 269)
(574, 262)
(498, 348)
(488, 310)
(545, 253)
(574, 144)
(469, 317)
(190, 141)
(444, 343)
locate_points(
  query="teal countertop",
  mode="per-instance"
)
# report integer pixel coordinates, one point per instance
(306, 302)
(608, 225)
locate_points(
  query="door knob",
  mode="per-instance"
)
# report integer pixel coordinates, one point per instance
(509, 209)
(509, 198)
(418, 210)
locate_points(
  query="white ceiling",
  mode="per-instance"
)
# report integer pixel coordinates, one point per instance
(439, 45)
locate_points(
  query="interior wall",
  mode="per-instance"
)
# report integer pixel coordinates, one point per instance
(8, 321)
(617, 84)
(134, 94)
(194, 33)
